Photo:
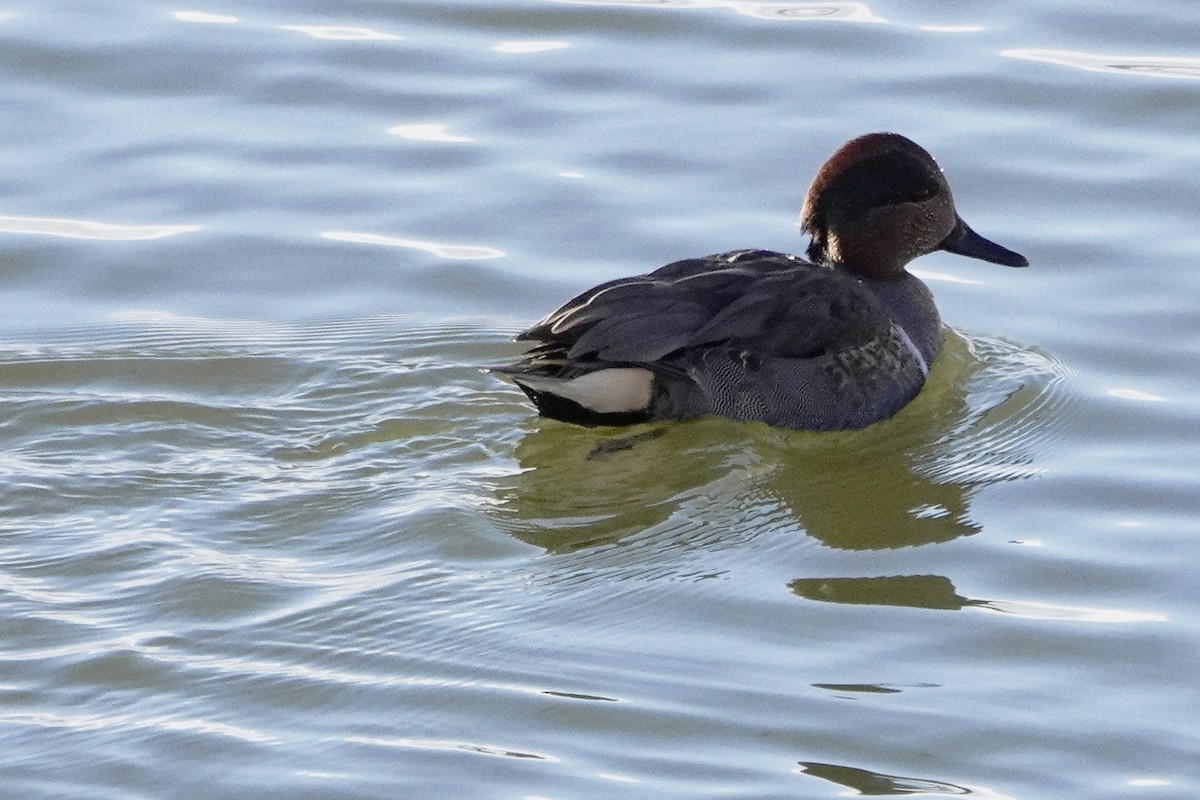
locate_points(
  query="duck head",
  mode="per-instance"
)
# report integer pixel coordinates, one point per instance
(879, 202)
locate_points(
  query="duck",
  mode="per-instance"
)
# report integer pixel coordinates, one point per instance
(839, 340)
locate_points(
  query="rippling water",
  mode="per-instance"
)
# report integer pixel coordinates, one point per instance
(266, 529)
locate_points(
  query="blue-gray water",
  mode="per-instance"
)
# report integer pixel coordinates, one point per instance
(267, 531)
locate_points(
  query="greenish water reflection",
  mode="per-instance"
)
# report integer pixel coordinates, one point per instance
(904, 482)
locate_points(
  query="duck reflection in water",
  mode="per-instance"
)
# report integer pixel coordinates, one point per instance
(904, 482)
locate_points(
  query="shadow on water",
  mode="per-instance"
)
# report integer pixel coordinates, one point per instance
(876, 784)
(911, 591)
(939, 593)
(907, 481)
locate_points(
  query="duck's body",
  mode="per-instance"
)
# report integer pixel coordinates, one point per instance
(841, 341)
(751, 334)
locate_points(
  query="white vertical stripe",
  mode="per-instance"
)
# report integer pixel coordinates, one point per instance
(912, 348)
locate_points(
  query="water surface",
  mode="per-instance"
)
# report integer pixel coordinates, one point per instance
(267, 530)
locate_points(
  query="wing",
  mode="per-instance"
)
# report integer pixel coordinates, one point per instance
(771, 304)
(554, 322)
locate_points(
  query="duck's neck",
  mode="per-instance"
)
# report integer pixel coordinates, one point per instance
(910, 304)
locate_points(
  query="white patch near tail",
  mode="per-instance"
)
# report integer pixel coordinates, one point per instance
(605, 391)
